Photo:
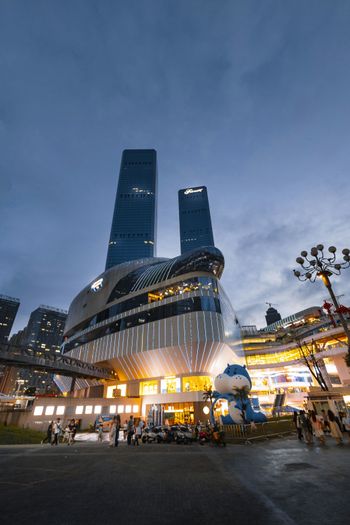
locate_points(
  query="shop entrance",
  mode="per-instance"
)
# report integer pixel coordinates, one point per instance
(176, 413)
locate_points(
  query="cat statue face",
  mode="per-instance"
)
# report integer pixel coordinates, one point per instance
(235, 378)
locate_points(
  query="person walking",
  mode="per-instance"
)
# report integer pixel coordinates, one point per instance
(65, 438)
(130, 429)
(71, 432)
(48, 437)
(138, 432)
(112, 433)
(297, 424)
(325, 421)
(346, 424)
(56, 432)
(306, 427)
(117, 429)
(100, 432)
(125, 429)
(317, 428)
(75, 428)
(334, 426)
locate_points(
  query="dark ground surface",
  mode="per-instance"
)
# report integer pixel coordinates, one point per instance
(276, 482)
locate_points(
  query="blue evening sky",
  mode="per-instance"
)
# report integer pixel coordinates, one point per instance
(250, 98)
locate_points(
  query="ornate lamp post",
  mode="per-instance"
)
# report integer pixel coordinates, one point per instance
(317, 264)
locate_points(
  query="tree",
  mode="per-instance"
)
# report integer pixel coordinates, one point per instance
(308, 355)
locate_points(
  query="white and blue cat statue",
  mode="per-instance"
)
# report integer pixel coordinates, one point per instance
(234, 385)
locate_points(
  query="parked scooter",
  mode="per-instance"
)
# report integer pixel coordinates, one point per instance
(183, 435)
(204, 437)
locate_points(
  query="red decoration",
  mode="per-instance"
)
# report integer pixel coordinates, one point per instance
(342, 309)
(327, 306)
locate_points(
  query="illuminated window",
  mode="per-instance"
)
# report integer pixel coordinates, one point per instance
(277, 357)
(196, 383)
(111, 391)
(112, 409)
(135, 408)
(128, 409)
(60, 410)
(170, 385)
(38, 411)
(88, 409)
(79, 409)
(49, 411)
(122, 389)
(148, 387)
(120, 409)
(97, 409)
(116, 391)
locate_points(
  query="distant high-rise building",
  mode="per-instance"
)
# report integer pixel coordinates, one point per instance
(8, 310)
(133, 231)
(272, 316)
(195, 222)
(43, 333)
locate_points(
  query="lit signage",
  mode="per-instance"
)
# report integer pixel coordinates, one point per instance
(191, 190)
(97, 285)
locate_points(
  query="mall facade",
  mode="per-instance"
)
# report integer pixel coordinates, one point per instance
(165, 326)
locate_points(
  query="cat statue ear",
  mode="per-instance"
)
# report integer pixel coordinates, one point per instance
(244, 366)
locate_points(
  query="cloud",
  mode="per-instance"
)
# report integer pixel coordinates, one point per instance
(248, 98)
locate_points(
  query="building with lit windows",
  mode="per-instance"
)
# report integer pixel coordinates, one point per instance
(195, 221)
(133, 230)
(165, 326)
(276, 362)
(43, 333)
(151, 385)
(8, 311)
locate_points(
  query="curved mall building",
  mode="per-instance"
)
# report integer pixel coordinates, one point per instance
(165, 326)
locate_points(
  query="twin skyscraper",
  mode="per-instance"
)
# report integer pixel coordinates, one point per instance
(134, 225)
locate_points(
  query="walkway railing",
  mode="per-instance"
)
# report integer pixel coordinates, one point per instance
(24, 357)
(250, 433)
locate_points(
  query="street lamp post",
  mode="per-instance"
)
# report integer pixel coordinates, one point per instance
(317, 264)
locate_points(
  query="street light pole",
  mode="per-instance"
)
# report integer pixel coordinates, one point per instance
(318, 265)
(328, 285)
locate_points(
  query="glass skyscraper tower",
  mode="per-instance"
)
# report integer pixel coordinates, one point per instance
(8, 310)
(195, 222)
(133, 231)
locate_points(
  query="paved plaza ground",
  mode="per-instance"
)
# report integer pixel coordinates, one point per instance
(276, 482)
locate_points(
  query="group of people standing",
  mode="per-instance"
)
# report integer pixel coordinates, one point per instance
(132, 431)
(55, 431)
(310, 425)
